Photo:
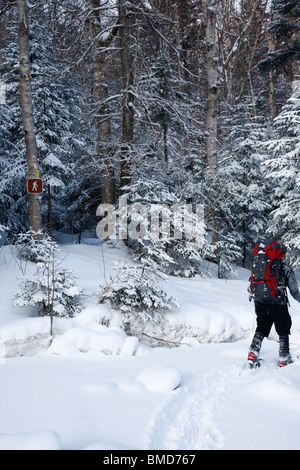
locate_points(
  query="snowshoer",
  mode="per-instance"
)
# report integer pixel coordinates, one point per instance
(268, 282)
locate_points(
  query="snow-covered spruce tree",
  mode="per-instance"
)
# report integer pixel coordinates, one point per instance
(51, 287)
(285, 28)
(167, 146)
(35, 249)
(168, 130)
(136, 290)
(244, 189)
(12, 146)
(168, 230)
(57, 118)
(224, 252)
(8, 170)
(284, 172)
(82, 191)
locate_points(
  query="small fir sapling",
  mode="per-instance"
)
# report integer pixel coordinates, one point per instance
(51, 287)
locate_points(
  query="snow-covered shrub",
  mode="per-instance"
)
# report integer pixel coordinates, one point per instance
(51, 287)
(35, 246)
(136, 290)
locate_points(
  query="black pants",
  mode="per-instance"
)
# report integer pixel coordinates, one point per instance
(267, 314)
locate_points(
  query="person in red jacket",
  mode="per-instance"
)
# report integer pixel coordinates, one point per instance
(271, 307)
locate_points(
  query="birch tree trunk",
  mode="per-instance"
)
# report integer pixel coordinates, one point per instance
(213, 91)
(128, 96)
(104, 150)
(35, 200)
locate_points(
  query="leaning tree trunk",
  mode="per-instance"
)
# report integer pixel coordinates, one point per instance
(35, 200)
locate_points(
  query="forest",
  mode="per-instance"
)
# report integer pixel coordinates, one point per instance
(163, 102)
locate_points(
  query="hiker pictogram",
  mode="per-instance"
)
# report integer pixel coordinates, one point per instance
(35, 185)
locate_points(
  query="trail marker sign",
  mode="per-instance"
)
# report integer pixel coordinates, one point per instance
(35, 185)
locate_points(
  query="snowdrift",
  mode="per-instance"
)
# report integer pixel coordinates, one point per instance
(211, 310)
(95, 387)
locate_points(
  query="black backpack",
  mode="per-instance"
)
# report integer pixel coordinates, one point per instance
(267, 282)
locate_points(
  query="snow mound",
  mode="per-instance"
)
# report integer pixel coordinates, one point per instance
(84, 340)
(35, 440)
(160, 379)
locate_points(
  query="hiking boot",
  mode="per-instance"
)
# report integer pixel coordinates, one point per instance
(253, 359)
(256, 343)
(284, 361)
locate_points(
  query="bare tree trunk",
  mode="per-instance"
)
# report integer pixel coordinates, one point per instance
(212, 108)
(213, 77)
(238, 39)
(272, 100)
(49, 217)
(35, 200)
(99, 49)
(213, 90)
(249, 81)
(128, 96)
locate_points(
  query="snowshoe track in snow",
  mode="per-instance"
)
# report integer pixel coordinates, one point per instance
(188, 419)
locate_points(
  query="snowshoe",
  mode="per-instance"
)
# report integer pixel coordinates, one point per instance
(253, 360)
(284, 361)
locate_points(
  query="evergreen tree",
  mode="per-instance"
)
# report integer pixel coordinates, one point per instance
(167, 145)
(285, 29)
(57, 117)
(51, 287)
(244, 190)
(137, 291)
(12, 150)
(284, 171)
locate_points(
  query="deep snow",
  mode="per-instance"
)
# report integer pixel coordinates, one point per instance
(96, 388)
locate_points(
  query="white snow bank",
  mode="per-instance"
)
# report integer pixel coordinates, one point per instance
(84, 340)
(160, 379)
(212, 310)
(35, 440)
(30, 336)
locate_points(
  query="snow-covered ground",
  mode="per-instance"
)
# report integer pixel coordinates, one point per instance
(96, 388)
